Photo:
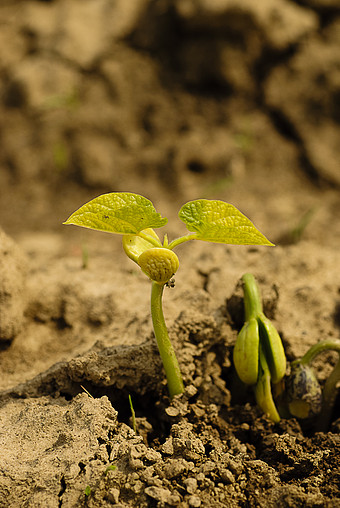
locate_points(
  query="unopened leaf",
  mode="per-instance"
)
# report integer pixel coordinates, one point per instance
(118, 212)
(134, 245)
(217, 221)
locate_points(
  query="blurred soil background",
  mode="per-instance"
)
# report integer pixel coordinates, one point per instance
(175, 100)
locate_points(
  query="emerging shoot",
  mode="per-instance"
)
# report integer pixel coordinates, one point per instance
(305, 397)
(133, 415)
(135, 217)
(259, 357)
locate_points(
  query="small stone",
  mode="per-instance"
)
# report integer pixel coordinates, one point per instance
(172, 411)
(136, 464)
(244, 426)
(152, 456)
(133, 477)
(194, 501)
(113, 495)
(174, 499)
(167, 447)
(208, 467)
(235, 467)
(227, 476)
(190, 391)
(175, 468)
(200, 477)
(190, 485)
(199, 412)
(159, 493)
(137, 488)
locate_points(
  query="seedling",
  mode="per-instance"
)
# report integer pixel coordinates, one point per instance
(133, 415)
(111, 467)
(135, 217)
(305, 397)
(259, 357)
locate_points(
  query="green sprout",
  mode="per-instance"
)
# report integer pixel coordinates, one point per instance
(259, 357)
(133, 415)
(135, 217)
(111, 467)
(305, 398)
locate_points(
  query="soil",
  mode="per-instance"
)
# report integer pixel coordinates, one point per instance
(175, 100)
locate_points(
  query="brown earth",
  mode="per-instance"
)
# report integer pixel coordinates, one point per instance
(175, 100)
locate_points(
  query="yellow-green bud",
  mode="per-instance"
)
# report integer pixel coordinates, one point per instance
(134, 245)
(160, 264)
(246, 352)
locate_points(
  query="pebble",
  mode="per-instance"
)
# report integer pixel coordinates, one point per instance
(194, 501)
(190, 485)
(159, 493)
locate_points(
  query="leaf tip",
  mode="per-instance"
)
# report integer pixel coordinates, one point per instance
(67, 222)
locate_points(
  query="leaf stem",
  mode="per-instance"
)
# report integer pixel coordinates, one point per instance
(170, 363)
(151, 239)
(182, 239)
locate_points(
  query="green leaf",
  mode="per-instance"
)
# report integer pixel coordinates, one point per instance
(118, 212)
(217, 221)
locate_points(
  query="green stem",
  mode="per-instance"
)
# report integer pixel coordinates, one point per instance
(323, 345)
(263, 391)
(170, 363)
(156, 242)
(182, 239)
(133, 415)
(252, 299)
(329, 394)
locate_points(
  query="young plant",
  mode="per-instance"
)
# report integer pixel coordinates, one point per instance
(259, 357)
(133, 415)
(305, 398)
(111, 467)
(135, 217)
